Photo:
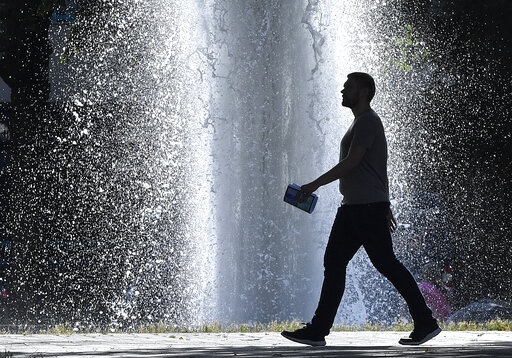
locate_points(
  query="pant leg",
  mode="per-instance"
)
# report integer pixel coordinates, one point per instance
(341, 247)
(373, 228)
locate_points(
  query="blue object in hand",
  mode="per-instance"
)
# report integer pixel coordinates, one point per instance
(290, 196)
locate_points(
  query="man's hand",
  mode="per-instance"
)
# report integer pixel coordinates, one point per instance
(391, 221)
(305, 191)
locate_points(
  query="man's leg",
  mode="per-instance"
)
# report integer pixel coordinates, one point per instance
(373, 227)
(341, 247)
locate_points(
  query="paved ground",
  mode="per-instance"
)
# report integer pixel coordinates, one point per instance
(339, 344)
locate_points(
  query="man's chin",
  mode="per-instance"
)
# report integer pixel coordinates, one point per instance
(345, 104)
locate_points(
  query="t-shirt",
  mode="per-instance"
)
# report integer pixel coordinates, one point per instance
(368, 181)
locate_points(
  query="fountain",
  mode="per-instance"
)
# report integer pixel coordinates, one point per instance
(183, 123)
(241, 99)
(186, 123)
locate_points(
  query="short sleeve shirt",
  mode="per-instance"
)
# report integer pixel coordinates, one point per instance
(368, 181)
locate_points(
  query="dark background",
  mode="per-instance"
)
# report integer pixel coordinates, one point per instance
(467, 121)
(464, 118)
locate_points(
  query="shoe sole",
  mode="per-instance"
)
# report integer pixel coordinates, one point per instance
(410, 342)
(305, 341)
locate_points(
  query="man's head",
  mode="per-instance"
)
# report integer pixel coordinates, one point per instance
(358, 89)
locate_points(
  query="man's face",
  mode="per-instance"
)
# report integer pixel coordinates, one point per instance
(350, 93)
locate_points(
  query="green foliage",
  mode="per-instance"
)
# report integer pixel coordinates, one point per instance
(274, 326)
(493, 325)
(407, 52)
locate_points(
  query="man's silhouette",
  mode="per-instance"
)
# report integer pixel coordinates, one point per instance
(364, 218)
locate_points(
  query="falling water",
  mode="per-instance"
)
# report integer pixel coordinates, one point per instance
(199, 114)
(193, 117)
(186, 122)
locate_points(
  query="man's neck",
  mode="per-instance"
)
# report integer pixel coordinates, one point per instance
(360, 109)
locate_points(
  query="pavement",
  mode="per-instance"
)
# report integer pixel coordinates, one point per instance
(266, 344)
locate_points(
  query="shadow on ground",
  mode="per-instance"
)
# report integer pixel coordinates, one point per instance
(490, 349)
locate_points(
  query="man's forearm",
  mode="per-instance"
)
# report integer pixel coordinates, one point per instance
(337, 172)
(354, 157)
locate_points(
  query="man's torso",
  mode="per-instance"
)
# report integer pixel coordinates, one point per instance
(368, 182)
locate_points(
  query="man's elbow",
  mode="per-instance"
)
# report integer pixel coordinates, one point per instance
(350, 166)
(355, 156)
(347, 166)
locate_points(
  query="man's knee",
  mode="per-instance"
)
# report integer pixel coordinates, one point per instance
(389, 266)
(335, 264)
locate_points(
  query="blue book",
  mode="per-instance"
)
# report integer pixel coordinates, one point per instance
(291, 197)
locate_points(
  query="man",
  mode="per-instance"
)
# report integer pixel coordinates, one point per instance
(364, 218)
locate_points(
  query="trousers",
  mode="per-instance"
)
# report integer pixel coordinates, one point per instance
(365, 225)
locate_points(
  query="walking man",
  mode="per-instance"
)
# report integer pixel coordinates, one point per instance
(364, 218)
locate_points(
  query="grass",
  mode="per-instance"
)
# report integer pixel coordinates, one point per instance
(216, 327)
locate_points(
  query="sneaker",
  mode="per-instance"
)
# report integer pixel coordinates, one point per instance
(420, 335)
(305, 335)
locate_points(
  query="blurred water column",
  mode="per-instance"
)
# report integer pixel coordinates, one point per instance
(261, 60)
(137, 160)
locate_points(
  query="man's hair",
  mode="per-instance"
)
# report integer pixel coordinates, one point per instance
(365, 81)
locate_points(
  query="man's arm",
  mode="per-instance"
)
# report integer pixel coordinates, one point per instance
(354, 157)
(352, 160)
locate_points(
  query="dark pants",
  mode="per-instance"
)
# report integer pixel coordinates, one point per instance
(366, 225)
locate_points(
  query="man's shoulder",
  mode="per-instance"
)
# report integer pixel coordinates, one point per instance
(369, 118)
(372, 115)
